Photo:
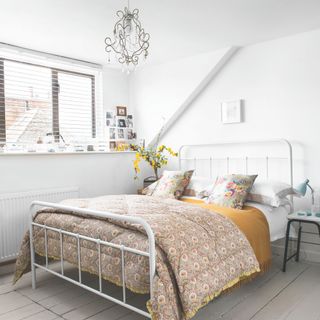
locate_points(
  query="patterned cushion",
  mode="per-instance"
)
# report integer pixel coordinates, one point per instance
(170, 185)
(231, 190)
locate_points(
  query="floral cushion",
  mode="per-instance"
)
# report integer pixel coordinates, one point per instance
(170, 185)
(231, 190)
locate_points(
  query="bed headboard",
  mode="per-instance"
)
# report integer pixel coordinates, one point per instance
(270, 159)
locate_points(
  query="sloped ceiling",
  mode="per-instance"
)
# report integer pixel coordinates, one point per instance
(178, 28)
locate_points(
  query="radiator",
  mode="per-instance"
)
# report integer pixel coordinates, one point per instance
(14, 216)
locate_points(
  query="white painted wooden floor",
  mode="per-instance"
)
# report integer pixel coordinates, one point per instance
(294, 295)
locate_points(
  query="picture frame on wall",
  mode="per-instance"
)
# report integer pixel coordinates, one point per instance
(120, 133)
(121, 111)
(111, 122)
(130, 121)
(130, 134)
(122, 123)
(109, 114)
(231, 112)
(122, 146)
(112, 133)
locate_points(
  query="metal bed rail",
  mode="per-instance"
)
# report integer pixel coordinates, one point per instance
(151, 254)
(266, 159)
(245, 159)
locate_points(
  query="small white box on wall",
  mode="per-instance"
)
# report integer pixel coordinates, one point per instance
(231, 111)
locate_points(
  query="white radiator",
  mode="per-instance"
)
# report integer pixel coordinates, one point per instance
(14, 216)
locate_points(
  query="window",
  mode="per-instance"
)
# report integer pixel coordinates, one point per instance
(76, 97)
(45, 103)
(27, 102)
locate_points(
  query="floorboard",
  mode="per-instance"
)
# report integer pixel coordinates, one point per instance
(295, 298)
(12, 301)
(275, 295)
(28, 310)
(258, 299)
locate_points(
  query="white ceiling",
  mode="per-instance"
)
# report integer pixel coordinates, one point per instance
(77, 28)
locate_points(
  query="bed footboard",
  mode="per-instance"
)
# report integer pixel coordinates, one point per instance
(136, 220)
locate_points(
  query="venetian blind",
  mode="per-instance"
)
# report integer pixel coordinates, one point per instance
(47, 100)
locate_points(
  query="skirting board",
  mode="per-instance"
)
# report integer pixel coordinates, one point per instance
(7, 268)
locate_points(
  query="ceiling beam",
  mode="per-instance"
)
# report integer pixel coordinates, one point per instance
(195, 93)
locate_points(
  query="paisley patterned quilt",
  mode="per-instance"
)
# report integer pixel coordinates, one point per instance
(199, 253)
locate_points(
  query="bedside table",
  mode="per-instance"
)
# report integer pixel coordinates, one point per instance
(301, 219)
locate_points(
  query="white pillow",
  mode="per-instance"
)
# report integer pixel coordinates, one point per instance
(271, 193)
(197, 185)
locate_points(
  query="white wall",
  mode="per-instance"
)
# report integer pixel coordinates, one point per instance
(94, 174)
(115, 88)
(156, 91)
(279, 81)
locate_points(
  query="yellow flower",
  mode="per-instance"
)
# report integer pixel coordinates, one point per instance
(154, 157)
(160, 149)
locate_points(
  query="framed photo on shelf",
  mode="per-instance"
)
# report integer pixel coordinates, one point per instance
(112, 133)
(112, 145)
(231, 111)
(130, 134)
(122, 123)
(111, 122)
(130, 121)
(121, 134)
(121, 111)
(122, 146)
(109, 114)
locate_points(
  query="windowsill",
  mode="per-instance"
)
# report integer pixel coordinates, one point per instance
(62, 153)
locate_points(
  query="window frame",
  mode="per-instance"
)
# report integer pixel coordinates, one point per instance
(55, 98)
(2, 105)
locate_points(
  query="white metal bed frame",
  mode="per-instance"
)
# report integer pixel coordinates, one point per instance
(267, 158)
(151, 253)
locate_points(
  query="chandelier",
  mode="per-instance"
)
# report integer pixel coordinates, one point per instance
(130, 39)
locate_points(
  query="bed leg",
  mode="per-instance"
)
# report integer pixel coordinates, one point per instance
(34, 277)
(32, 253)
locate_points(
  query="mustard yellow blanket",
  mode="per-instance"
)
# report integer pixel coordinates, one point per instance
(252, 223)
